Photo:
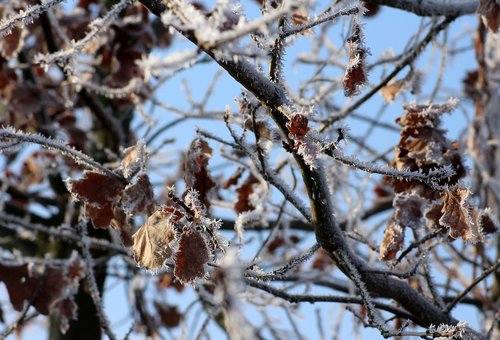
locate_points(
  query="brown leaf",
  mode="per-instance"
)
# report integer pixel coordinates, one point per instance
(100, 216)
(233, 180)
(490, 13)
(196, 174)
(192, 256)
(392, 242)
(424, 147)
(244, 191)
(138, 196)
(392, 90)
(297, 126)
(95, 189)
(169, 315)
(152, 241)
(458, 215)
(134, 159)
(48, 288)
(355, 75)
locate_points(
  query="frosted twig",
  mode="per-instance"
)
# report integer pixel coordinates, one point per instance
(97, 26)
(296, 298)
(92, 283)
(294, 262)
(322, 19)
(13, 135)
(271, 176)
(25, 17)
(15, 223)
(430, 178)
(474, 283)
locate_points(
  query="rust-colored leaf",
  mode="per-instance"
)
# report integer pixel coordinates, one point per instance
(196, 174)
(355, 74)
(152, 241)
(100, 216)
(297, 126)
(233, 180)
(95, 189)
(169, 315)
(192, 256)
(48, 288)
(243, 202)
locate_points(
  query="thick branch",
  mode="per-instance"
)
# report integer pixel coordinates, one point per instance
(428, 8)
(327, 231)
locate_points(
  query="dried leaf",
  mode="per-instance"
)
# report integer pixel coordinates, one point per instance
(138, 196)
(392, 242)
(392, 90)
(424, 147)
(168, 280)
(490, 13)
(152, 241)
(243, 202)
(100, 216)
(48, 288)
(95, 189)
(196, 174)
(192, 256)
(134, 159)
(233, 180)
(459, 216)
(297, 126)
(355, 74)
(169, 315)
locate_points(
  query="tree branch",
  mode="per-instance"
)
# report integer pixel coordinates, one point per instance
(427, 8)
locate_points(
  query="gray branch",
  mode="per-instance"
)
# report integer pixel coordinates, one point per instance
(427, 8)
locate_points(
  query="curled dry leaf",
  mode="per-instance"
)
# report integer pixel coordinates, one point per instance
(392, 90)
(192, 256)
(392, 242)
(196, 174)
(355, 74)
(459, 216)
(152, 241)
(490, 13)
(134, 159)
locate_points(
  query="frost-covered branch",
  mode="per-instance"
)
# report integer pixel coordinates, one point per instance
(96, 27)
(11, 138)
(25, 17)
(432, 7)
